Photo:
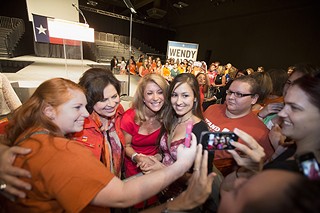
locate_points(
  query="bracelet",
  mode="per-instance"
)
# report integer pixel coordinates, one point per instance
(132, 157)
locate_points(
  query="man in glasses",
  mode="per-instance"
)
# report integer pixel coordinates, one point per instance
(242, 94)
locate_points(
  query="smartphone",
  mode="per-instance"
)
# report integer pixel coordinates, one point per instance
(309, 166)
(212, 141)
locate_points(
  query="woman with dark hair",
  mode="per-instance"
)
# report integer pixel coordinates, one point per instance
(204, 84)
(101, 132)
(265, 89)
(274, 102)
(300, 116)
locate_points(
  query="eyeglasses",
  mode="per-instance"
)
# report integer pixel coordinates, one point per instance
(237, 94)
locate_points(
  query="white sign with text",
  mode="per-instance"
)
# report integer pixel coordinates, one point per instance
(182, 50)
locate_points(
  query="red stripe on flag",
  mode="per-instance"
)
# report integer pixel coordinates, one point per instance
(67, 41)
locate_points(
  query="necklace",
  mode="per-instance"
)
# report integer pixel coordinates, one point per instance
(180, 122)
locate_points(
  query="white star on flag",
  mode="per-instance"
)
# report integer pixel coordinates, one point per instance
(42, 29)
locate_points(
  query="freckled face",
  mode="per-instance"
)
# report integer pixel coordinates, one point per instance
(70, 116)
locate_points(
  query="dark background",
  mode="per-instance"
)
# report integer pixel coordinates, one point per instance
(246, 33)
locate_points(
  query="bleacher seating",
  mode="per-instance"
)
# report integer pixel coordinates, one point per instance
(11, 31)
(107, 45)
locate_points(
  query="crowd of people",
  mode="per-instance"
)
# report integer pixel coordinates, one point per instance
(73, 147)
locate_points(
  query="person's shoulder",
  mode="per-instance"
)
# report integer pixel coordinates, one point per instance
(129, 113)
(214, 108)
(254, 119)
(201, 125)
(89, 122)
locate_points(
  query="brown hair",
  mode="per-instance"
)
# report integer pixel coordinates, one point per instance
(95, 80)
(264, 86)
(191, 80)
(279, 78)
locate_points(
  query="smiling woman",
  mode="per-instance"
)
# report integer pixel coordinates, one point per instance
(300, 115)
(141, 125)
(101, 132)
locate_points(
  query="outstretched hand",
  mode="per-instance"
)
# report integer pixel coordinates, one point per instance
(10, 174)
(253, 153)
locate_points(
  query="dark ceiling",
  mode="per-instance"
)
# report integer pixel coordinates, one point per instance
(179, 13)
(162, 12)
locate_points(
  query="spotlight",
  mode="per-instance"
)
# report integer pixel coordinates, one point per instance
(92, 3)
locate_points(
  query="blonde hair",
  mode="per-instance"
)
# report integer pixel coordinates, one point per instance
(138, 99)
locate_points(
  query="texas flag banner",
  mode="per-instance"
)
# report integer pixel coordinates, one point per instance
(41, 28)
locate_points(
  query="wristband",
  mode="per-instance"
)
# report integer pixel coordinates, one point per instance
(133, 155)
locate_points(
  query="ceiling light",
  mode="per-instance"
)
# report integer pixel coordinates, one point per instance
(183, 4)
(92, 3)
(180, 5)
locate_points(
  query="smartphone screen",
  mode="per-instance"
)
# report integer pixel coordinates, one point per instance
(309, 166)
(218, 140)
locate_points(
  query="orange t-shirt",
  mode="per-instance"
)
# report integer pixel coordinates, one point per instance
(166, 72)
(66, 176)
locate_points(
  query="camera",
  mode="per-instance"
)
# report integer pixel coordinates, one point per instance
(309, 165)
(218, 140)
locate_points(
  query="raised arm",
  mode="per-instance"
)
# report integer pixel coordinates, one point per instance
(126, 194)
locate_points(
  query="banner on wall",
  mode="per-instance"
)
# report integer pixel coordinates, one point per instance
(57, 31)
(182, 50)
